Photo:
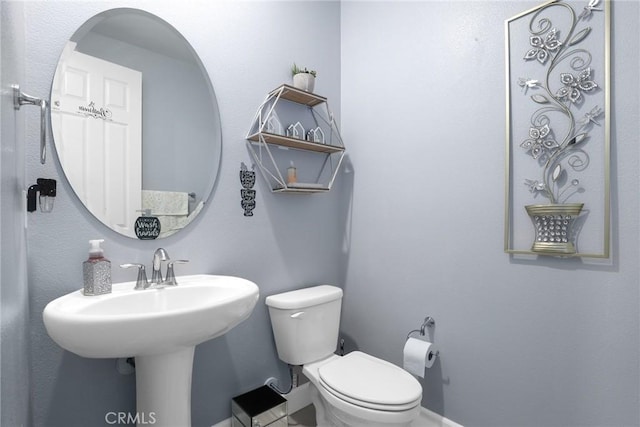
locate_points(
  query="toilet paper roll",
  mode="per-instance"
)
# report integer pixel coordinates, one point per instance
(418, 355)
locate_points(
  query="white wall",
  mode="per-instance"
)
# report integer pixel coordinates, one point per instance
(247, 48)
(543, 342)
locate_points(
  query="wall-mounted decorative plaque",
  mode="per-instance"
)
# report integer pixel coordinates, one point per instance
(558, 126)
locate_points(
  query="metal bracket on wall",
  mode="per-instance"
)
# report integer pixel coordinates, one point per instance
(429, 322)
(20, 99)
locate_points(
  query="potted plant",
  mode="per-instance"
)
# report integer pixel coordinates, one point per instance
(556, 139)
(302, 78)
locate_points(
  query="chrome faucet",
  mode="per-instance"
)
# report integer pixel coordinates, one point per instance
(157, 281)
(159, 256)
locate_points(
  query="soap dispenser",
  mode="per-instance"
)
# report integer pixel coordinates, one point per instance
(96, 270)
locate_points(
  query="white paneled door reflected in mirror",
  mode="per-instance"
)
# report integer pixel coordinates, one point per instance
(135, 123)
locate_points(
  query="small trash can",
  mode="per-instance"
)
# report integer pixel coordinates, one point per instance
(261, 407)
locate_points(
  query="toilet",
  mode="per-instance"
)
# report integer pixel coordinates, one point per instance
(352, 390)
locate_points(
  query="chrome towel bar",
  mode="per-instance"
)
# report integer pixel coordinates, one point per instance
(20, 99)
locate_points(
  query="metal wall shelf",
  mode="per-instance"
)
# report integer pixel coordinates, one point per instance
(272, 163)
(301, 190)
(286, 141)
(299, 96)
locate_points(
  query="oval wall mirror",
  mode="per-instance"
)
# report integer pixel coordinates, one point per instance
(135, 123)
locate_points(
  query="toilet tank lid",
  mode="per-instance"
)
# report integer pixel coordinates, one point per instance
(306, 297)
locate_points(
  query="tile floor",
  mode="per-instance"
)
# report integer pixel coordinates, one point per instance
(305, 417)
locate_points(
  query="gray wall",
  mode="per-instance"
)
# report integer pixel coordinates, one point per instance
(524, 342)
(417, 216)
(14, 310)
(247, 48)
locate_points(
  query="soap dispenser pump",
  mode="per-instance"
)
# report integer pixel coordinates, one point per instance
(96, 270)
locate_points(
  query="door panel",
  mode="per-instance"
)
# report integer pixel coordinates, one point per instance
(97, 109)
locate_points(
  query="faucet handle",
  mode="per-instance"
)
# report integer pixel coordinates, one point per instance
(171, 276)
(141, 281)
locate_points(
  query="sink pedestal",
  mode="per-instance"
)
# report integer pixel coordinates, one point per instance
(159, 327)
(163, 388)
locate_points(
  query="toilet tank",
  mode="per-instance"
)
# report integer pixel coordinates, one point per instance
(305, 323)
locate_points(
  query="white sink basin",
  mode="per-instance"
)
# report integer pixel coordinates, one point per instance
(128, 323)
(159, 327)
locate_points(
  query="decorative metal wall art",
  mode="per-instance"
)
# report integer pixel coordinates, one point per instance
(557, 141)
(248, 180)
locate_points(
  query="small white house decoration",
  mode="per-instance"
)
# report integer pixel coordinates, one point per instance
(295, 131)
(316, 135)
(273, 125)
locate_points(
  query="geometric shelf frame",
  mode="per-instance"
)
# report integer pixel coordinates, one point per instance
(554, 54)
(269, 135)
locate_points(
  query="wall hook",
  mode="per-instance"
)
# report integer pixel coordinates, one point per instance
(20, 99)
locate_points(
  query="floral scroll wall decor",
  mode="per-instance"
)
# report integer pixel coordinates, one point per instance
(557, 151)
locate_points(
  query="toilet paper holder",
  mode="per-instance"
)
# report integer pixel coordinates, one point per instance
(429, 322)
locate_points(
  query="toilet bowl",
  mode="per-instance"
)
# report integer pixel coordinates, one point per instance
(352, 390)
(361, 390)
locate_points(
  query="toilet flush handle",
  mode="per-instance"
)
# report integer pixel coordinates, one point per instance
(297, 315)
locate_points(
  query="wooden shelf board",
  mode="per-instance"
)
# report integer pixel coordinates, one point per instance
(285, 141)
(301, 190)
(299, 96)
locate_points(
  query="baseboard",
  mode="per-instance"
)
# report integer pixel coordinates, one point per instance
(431, 419)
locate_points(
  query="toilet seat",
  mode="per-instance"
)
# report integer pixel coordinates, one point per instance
(369, 382)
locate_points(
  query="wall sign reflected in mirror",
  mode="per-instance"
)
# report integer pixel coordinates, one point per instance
(557, 148)
(135, 122)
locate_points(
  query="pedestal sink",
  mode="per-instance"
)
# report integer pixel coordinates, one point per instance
(159, 327)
